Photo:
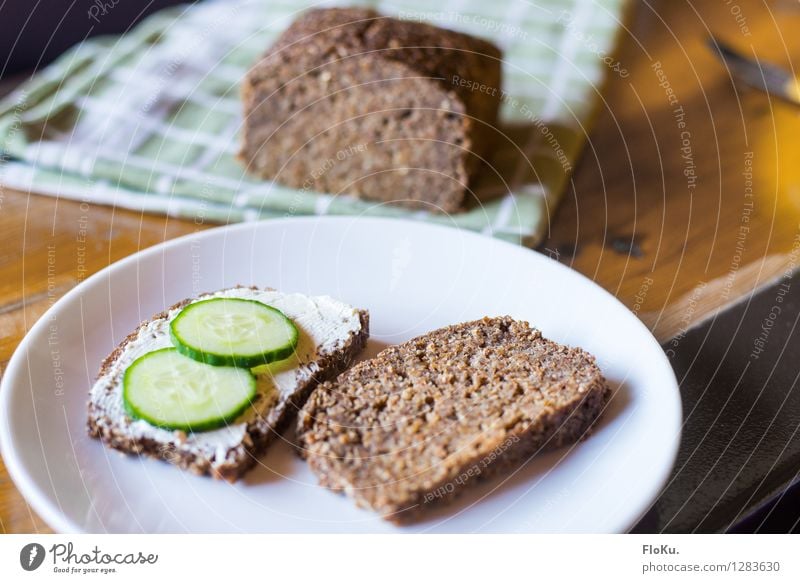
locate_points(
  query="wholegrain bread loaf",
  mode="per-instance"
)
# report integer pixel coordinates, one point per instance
(414, 426)
(331, 336)
(349, 101)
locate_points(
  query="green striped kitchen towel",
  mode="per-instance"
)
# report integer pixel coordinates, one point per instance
(149, 120)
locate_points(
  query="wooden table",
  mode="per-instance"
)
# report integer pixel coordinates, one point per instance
(673, 234)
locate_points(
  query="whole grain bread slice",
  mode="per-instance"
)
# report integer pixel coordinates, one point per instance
(229, 452)
(412, 427)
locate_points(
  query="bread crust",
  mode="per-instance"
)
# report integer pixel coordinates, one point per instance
(410, 429)
(260, 433)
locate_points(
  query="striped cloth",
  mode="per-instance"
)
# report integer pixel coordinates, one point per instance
(149, 120)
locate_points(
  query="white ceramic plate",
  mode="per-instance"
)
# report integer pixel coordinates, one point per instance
(413, 278)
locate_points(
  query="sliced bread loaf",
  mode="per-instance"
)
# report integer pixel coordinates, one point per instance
(349, 101)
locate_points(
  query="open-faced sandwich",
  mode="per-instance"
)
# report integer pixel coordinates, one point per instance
(210, 382)
(411, 428)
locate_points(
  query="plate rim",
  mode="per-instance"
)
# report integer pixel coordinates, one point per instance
(56, 519)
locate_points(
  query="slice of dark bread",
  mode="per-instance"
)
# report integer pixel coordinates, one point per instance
(323, 351)
(412, 427)
(349, 101)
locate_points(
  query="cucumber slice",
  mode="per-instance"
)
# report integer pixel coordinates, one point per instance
(233, 332)
(169, 390)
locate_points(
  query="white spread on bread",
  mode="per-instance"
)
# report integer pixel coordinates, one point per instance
(324, 323)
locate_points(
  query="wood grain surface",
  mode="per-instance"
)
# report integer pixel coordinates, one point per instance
(682, 204)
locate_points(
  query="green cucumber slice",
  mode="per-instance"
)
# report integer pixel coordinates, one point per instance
(169, 390)
(233, 332)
